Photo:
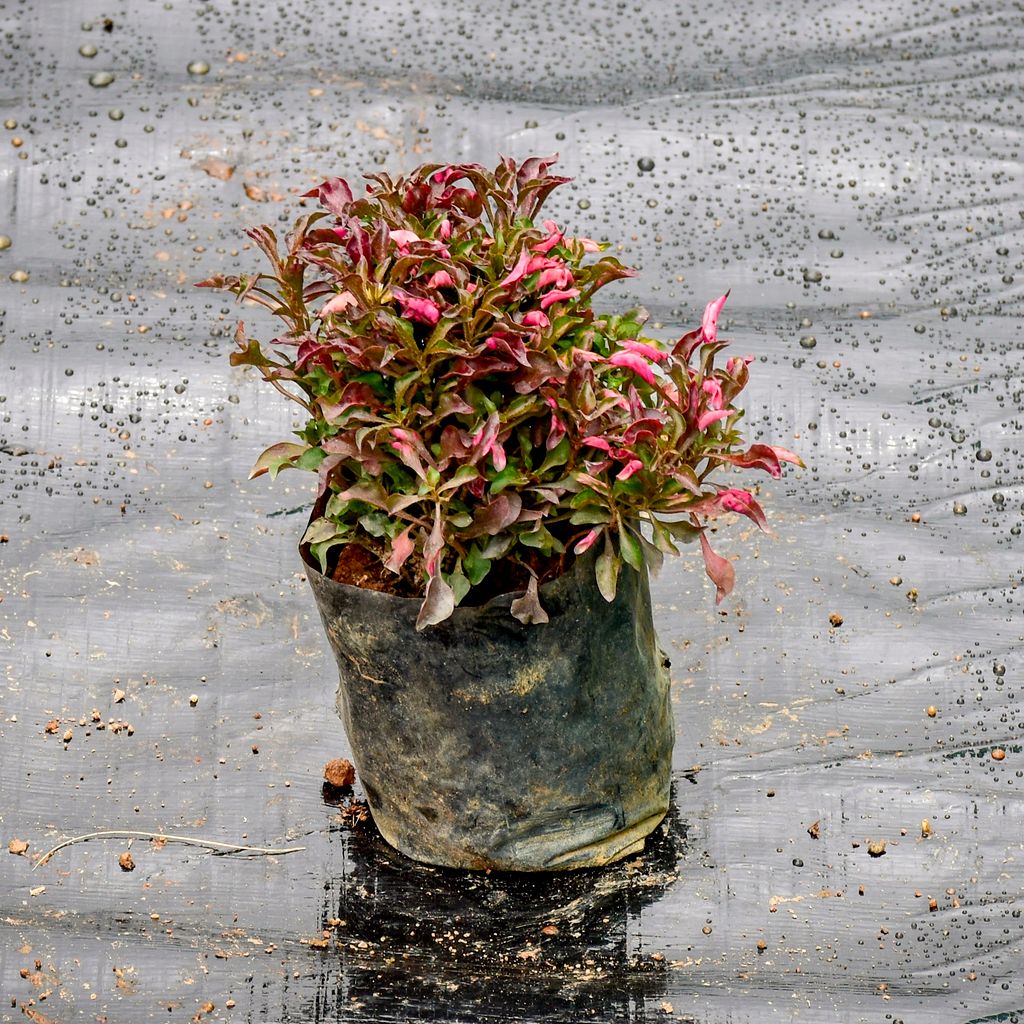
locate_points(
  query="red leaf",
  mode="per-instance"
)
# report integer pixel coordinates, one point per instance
(334, 194)
(496, 516)
(719, 570)
(761, 456)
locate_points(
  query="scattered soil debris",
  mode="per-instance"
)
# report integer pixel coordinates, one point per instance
(339, 773)
(216, 168)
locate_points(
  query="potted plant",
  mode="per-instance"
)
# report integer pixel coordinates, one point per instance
(498, 466)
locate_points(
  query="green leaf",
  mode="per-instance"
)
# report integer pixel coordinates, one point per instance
(375, 523)
(403, 384)
(321, 550)
(275, 458)
(463, 475)
(459, 584)
(662, 539)
(510, 476)
(632, 552)
(682, 531)
(558, 456)
(590, 515)
(320, 530)
(498, 547)
(310, 459)
(543, 540)
(475, 565)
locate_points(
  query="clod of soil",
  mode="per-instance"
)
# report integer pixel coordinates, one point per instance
(339, 773)
(876, 848)
(17, 846)
(835, 619)
(126, 862)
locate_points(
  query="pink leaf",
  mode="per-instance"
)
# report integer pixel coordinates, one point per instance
(403, 239)
(719, 570)
(711, 416)
(732, 499)
(401, 548)
(554, 237)
(587, 542)
(425, 311)
(338, 304)
(629, 469)
(631, 361)
(535, 318)
(713, 390)
(645, 350)
(560, 276)
(435, 543)
(440, 279)
(558, 295)
(709, 322)
(518, 272)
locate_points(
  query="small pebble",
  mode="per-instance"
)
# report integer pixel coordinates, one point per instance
(998, 754)
(125, 861)
(194, 699)
(835, 619)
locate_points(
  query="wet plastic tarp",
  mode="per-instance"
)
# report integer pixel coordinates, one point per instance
(845, 840)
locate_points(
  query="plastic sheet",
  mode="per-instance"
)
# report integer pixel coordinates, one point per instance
(852, 173)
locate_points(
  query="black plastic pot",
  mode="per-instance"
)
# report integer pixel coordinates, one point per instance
(485, 743)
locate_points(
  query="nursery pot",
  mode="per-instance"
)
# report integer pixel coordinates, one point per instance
(485, 743)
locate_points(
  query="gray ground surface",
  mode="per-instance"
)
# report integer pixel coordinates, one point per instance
(853, 173)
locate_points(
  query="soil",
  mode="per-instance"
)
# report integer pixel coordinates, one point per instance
(359, 566)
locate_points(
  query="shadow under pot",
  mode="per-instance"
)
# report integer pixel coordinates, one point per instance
(484, 743)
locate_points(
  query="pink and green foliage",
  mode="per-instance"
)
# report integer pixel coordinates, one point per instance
(466, 403)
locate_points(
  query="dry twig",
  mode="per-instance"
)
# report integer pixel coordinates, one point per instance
(207, 844)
